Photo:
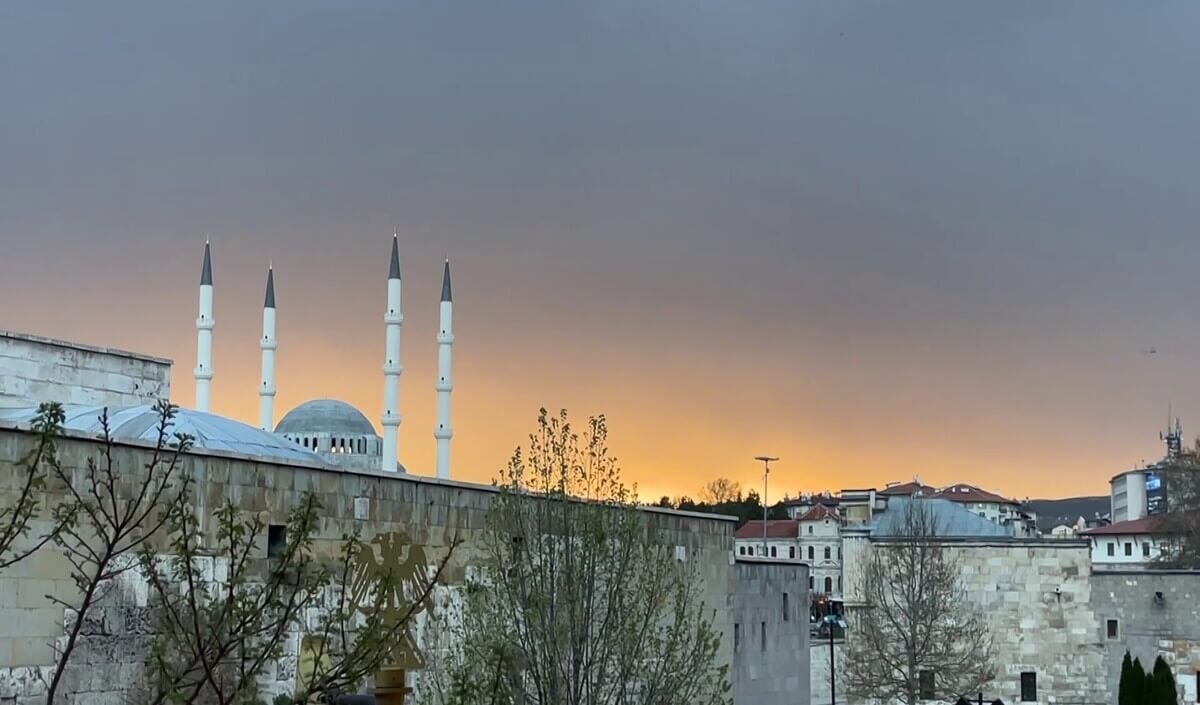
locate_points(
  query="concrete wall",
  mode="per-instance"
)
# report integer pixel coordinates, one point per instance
(770, 659)
(428, 512)
(1148, 626)
(35, 369)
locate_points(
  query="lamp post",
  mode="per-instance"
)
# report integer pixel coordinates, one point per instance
(831, 621)
(766, 461)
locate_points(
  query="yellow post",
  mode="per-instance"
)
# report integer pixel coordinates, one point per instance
(389, 686)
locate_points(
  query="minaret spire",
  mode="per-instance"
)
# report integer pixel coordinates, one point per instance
(392, 368)
(444, 432)
(204, 327)
(266, 390)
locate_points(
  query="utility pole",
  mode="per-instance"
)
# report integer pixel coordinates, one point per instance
(766, 461)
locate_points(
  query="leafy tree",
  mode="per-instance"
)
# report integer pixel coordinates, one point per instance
(109, 513)
(1160, 688)
(917, 621)
(16, 519)
(1132, 688)
(579, 603)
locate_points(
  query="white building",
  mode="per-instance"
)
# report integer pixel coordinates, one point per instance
(780, 540)
(821, 548)
(991, 506)
(1136, 542)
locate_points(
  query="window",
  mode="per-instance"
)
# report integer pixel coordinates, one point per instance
(1111, 629)
(763, 636)
(826, 553)
(1146, 550)
(839, 583)
(810, 553)
(1128, 548)
(810, 528)
(839, 553)
(741, 550)
(1112, 548)
(773, 552)
(1028, 686)
(786, 618)
(305, 442)
(737, 637)
(925, 684)
(828, 585)
(810, 582)
(276, 540)
(791, 551)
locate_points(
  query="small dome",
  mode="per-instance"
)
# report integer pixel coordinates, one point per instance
(325, 416)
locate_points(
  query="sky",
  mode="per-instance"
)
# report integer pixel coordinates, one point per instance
(878, 240)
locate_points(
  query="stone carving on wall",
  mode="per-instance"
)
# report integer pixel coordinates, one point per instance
(393, 554)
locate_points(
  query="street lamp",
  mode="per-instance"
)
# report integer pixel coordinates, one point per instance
(831, 621)
(766, 461)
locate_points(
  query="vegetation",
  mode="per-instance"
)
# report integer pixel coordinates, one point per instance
(920, 639)
(16, 520)
(1181, 477)
(724, 496)
(1137, 687)
(579, 601)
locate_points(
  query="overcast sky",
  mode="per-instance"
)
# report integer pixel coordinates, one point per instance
(877, 240)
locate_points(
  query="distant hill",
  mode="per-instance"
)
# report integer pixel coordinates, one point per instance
(1052, 512)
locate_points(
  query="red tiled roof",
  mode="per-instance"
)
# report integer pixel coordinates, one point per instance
(818, 513)
(906, 489)
(1145, 525)
(776, 529)
(969, 493)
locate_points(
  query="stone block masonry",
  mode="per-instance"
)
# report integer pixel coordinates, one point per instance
(425, 512)
(34, 369)
(769, 612)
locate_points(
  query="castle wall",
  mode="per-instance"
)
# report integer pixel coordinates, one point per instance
(35, 369)
(1150, 625)
(429, 513)
(770, 659)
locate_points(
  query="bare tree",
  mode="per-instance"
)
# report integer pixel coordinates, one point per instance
(720, 491)
(580, 603)
(109, 513)
(1181, 522)
(918, 638)
(16, 519)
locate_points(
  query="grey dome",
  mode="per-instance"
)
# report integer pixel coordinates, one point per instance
(325, 416)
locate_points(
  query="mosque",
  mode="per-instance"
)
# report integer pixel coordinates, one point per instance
(334, 430)
(324, 433)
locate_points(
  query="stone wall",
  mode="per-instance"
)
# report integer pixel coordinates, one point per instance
(34, 369)
(770, 659)
(1157, 613)
(820, 692)
(427, 512)
(1036, 597)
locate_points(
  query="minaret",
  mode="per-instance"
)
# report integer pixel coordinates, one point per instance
(204, 326)
(266, 390)
(445, 339)
(391, 365)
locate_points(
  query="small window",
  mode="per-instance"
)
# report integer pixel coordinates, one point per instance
(925, 684)
(741, 550)
(737, 637)
(786, 618)
(791, 551)
(1112, 629)
(1028, 687)
(826, 553)
(810, 582)
(810, 553)
(276, 540)
(1128, 548)
(1112, 548)
(1146, 550)
(839, 583)
(828, 585)
(773, 552)
(763, 636)
(810, 528)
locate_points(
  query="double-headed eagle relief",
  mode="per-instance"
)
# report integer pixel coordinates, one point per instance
(392, 564)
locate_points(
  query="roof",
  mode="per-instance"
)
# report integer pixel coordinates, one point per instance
(269, 302)
(446, 283)
(394, 267)
(100, 350)
(206, 270)
(950, 520)
(776, 529)
(212, 432)
(906, 489)
(1146, 525)
(325, 416)
(963, 492)
(817, 513)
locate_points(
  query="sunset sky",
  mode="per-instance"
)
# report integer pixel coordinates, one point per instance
(877, 240)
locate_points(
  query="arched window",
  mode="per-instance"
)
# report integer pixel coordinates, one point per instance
(305, 442)
(828, 585)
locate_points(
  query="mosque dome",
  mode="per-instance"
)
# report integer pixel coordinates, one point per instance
(325, 416)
